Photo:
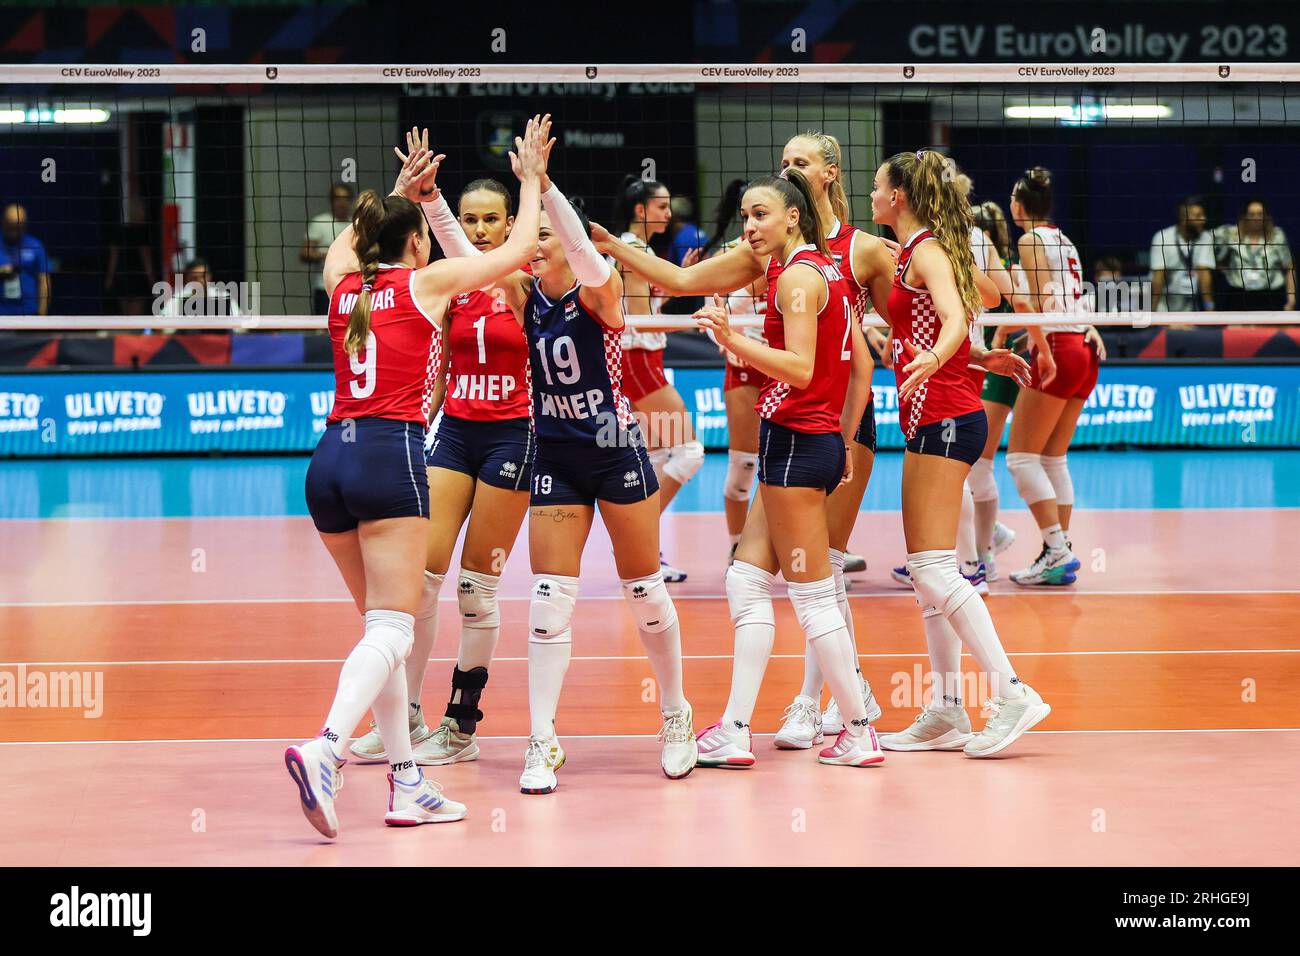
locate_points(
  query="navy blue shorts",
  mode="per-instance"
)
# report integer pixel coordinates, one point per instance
(962, 438)
(866, 435)
(576, 473)
(372, 469)
(791, 459)
(496, 453)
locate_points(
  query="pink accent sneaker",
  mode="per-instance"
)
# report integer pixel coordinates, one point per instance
(861, 751)
(722, 746)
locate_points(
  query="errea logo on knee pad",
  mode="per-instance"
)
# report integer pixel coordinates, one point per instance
(639, 591)
(543, 588)
(466, 587)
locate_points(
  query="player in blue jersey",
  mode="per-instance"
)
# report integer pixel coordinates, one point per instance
(590, 453)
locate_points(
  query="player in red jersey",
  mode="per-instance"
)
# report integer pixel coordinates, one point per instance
(811, 404)
(479, 460)
(931, 306)
(365, 489)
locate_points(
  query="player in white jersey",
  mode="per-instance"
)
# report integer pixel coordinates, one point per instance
(1064, 374)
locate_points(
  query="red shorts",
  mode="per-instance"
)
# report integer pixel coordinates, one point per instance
(738, 375)
(1076, 367)
(643, 372)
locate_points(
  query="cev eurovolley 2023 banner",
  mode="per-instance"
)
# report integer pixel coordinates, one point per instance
(112, 413)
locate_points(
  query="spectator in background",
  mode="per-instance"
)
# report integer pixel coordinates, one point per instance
(1110, 293)
(130, 276)
(1256, 262)
(200, 295)
(322, 231)
(683, 234)
(24, 268)
(1182, 262)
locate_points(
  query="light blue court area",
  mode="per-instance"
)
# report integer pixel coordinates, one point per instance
(272, 487)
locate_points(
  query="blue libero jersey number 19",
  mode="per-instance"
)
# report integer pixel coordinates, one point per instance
(565, 356)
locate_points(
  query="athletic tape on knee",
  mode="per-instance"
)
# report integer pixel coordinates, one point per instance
(749, 594)
(650, 603)
(428, 606)
(983, 485)
(937, 581)
(684, 461)
(551, 609)
(1058, 473)
(476, 594)
(741, 468)
(816, 606)
(1031, 480)
(390, 634)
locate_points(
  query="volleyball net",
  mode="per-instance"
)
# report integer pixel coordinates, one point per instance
(185, 196)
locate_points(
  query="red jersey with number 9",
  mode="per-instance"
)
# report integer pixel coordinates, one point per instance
(949, 392)
(488, 354)
(815, 409)
(392, 377)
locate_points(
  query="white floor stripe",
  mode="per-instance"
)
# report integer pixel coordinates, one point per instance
(635, 657)
(280, 740)
(895, 593)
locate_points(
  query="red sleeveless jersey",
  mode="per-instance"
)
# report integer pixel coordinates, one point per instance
(841, 242)
(487, 353)
(815, 409)
(947, 393)
(392, 377)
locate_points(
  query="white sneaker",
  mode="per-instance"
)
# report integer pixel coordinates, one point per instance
(316, 772)
(854, 563)
(672, 575)
(409, 806)
(1011, 717)
(938, 728)
(370, 748)
(1003, 538)
(833, 722)
(446, 745)
(990, 566)
(723, 746)
(849, 751)
(1049, 568)
(680, 750)
(543, 757)
(801, 725)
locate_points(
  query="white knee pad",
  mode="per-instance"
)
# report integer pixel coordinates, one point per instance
(741, 468)
(1031, 481)
(428, 606)
(551, 610)
(650, 603)
(1058, 473)
(477, 596)
(390, 634)
(749, 594)
(816, 606)
(983, 486)
(659, 459)
(684, 461)
(937, 581)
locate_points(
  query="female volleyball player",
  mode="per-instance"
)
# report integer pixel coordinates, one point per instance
(870, 266)
(813, 400)
(367, 495)
(479, 463)
(675, 452)
(932, 303)
(1064, 375)
(589, 453)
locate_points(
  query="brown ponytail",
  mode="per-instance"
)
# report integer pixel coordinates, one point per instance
(934, 190)
(795, 192)
(380, 230)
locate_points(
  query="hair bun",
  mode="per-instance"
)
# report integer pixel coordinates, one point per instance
(1039, 176)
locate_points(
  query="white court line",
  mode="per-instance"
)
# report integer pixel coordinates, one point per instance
(898, 593)
(280, 740)
(635, 657)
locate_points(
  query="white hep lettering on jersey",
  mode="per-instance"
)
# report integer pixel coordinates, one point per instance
(484, 388)
(580, 406)
(383, 299)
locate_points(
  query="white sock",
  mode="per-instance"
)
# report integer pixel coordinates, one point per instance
(945, 659)
(1054, 537)
(548, 662)
(390, 709)
(974, 624)
(967, 551)
(813, 678)
(426, 630)
(364, 674)
(753, 648)
(824, 629)
(664, 648)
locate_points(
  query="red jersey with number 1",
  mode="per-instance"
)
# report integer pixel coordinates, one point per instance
(947, 393)
(488, 356)
(815, 409)
(392, 377)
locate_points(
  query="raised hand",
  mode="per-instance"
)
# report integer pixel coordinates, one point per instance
(417, 180)
(532, 151)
